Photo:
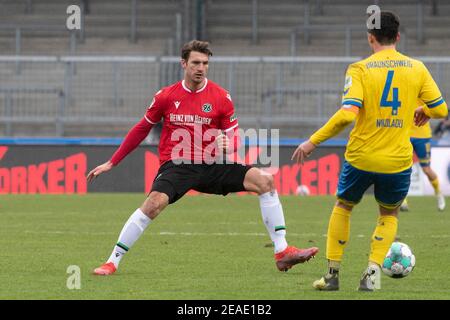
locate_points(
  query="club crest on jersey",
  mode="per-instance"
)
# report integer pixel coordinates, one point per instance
(207, 107)
(348, 84)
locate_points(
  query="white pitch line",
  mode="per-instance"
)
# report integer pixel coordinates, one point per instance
(220, 234)
(222, 223)
(439, 236)
(170, 233)
(166, 233)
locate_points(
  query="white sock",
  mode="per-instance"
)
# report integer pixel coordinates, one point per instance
(273, 217)
(131, 231)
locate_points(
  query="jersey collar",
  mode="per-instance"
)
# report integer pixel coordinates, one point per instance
(387, 51)
(183, 84)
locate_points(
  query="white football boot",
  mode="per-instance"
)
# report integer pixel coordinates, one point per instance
(371, 279)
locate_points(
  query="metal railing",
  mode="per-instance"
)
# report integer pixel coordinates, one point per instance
(133, 21)
(9, 117)
(19, 30)
(347, 31)
(85, 9)
(269, 118)
(306, 28)
(84, 3)
(191, 22)
(110, 91)
(255, 30)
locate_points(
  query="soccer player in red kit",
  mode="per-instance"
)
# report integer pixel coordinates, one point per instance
(193, 110)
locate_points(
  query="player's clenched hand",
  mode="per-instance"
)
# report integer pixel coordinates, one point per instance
(223, 142)
(420, 118)
(303, 151)
(99, 170)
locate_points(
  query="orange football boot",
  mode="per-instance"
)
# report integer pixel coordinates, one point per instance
(105, 269)
(291, 256)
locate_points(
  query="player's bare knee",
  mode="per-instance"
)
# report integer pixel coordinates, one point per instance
(153, 205)
(266, 183)
(150, 208)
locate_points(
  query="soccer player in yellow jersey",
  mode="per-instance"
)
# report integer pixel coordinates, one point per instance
(381, 93)
(420, 140)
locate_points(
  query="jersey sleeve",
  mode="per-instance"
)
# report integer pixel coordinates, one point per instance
(229, 120)
(353, 89)
(335, 125)
(154, 112)
(430, 93)
(134, 137)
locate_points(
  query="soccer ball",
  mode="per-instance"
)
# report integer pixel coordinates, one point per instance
(303, 190)
(399, 261)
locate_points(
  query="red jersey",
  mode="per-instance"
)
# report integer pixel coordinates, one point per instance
(191, 121)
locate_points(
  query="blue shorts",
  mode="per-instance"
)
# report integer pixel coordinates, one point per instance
(390, 189)
(422, 148)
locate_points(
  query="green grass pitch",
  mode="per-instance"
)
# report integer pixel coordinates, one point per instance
(204, 247)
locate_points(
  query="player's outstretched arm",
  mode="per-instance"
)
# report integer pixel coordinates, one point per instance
(342, 118)
(134, 137)
(303, 151)
(105, 167)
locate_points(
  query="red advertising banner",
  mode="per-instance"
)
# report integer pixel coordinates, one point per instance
(55, 169)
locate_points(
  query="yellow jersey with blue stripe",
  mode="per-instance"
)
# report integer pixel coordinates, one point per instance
(386, 87)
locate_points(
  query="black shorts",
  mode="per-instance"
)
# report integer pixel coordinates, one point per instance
(177, 179)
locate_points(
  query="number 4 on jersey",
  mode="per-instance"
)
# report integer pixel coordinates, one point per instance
(395, 103)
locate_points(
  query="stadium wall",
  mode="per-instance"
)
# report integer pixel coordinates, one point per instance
(62, 169)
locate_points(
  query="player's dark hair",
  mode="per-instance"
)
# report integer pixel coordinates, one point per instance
(389, 26)
(195, 45)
